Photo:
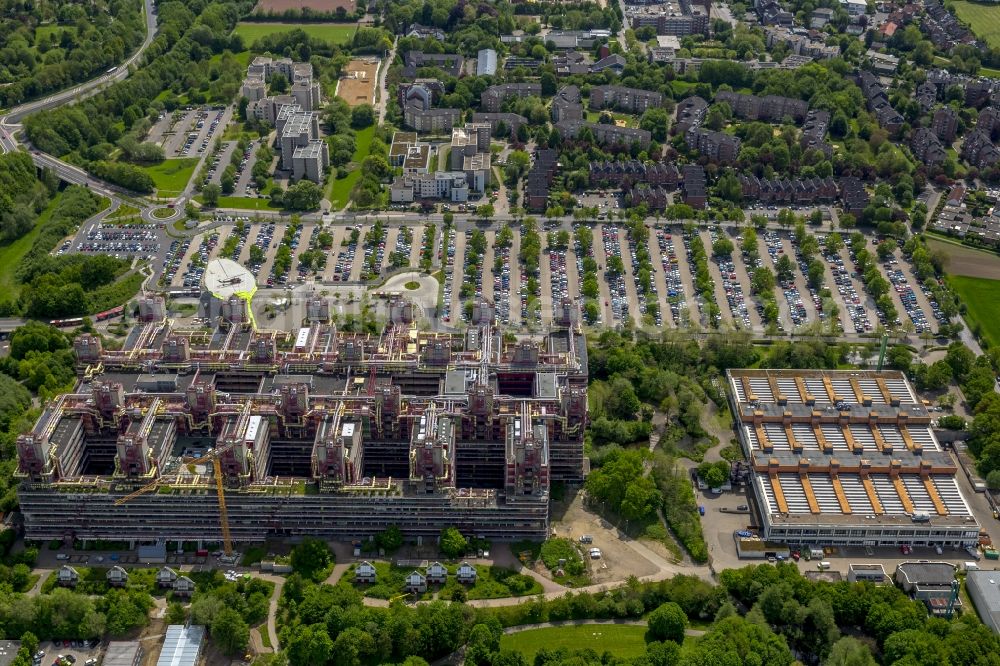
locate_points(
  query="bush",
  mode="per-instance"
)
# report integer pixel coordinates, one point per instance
(680, 508)
(555, 550)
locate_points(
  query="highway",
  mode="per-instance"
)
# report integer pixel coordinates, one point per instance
(10, 121)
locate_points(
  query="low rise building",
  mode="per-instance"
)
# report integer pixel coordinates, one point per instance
(497, 121)
(631, 100)
(182, 645)
(604, 134)
(866, 573)
(123, 653)
(449, 63)
(409, 154)
(566, 105)
(716, 146)
(448, 185)
(770, 108)
(543, 170)
(984, 590)
(486, 62)
(491, 100)
(693, 186)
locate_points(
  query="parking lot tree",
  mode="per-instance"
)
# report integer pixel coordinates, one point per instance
(484, 211)
(722, 247)
(453, 545)
(210, 194)
(762, 280)
(785, 268)
(667, 623)
(228, 180)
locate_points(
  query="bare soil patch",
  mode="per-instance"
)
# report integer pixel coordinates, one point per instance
(967, 261)
(357, 86)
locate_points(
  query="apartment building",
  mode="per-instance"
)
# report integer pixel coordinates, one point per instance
(631, 100)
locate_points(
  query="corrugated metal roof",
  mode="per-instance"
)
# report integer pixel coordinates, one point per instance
(181, 645)
(122, 653)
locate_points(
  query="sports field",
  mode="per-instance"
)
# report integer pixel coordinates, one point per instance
(983, 307)
(983, 19)
(338, 33)
(621, 640)
(172, 176)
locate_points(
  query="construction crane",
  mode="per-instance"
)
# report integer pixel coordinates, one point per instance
(213, 457)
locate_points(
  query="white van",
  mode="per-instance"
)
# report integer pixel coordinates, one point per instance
(824, 565)
(62, 556)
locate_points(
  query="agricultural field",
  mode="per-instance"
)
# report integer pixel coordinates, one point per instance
(172, 176)
(319, 6)
(622, 640)
(967, 261)
(338, 33)
(983, 19)
(979, 296)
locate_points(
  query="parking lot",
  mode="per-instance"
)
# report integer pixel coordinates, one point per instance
(658, 293)
(60, 653)
(188, 132)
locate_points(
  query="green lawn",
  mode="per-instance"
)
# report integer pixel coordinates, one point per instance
(244, 203)
(340, 189)
(12, 253)
(621, 640)
(172, 176)
(979, 296)
(338, 33)
(43, 31)
(983, 19)
(124, 211)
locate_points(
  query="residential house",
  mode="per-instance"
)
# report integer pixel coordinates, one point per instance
(989, 121)
(449, 63)
(576, 39)
(67, 576)
(543, 170)
(183, 586)
(772, 108)
(604, 134)
(571, 62)
(883, 64)
(511, 121)
(654, 197)
(978, 92)
(769, 12)
(690, 113)
(820, 17)
(693, 186)
(626, 173)
(491, 100)
(788, 191)
(466, 574)
(567, 105)
(415, 583)
(716, 146)
(926, 95)
(428, 90)
(422, 32)
(927, 148)
(437, 574)
(814, 132)
(613, 63)
(365, 573)
(631, 100)
(165, 577)
(877, 100)
(116, 576)
(853, 195)
(945, 124)
(978, 149)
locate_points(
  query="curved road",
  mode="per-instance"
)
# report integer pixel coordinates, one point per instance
(10, 122)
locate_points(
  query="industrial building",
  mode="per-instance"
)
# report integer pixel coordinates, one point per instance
(984, 590)
(846, 458)
(182, 645)
(314, 431)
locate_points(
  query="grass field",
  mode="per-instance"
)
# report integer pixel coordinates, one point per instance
(340, 189)
(172, 176)
(243, 203)
(123, 211)
(12, 253)
(983, 19)
(979, 296)
(338, 33)
(621, 640)
(965, 260)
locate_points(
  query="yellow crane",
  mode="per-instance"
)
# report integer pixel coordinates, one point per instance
(213, 457)
(396, 598)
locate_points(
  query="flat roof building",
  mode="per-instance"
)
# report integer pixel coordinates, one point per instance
(318, 431)
(847, 458)
(984, 590)
(486, 62)
(182, 645)
(123, 653)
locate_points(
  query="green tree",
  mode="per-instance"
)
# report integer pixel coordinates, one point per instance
(453, 544)
(230, 632)
(722, 247)
(311, 557)
(210, 195)
(667, 623)
(390, 540)
(362, 116)
(849, 651)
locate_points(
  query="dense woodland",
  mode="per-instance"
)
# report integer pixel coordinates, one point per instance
(49, 45)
